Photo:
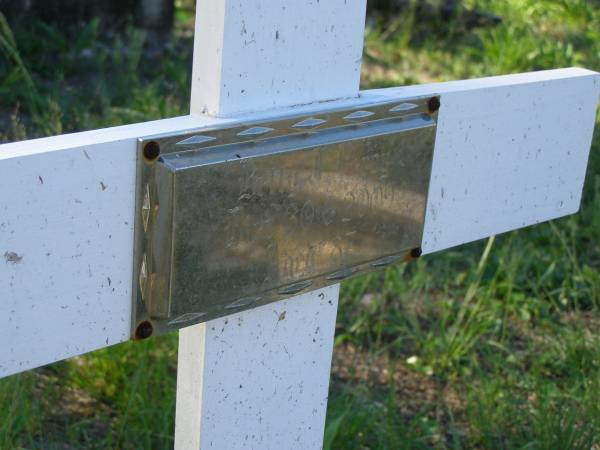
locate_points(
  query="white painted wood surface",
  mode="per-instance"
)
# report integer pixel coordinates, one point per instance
(265, 376)
(510, 152)
(253, 55)
(66, 234)
(52, 309)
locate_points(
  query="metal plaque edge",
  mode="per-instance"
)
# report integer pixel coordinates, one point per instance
(142, 325)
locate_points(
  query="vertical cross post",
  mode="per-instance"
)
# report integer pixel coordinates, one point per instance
(260, 378)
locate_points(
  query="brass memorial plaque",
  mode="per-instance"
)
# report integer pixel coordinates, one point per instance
(232, 218)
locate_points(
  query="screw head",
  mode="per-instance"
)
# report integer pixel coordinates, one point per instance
(144, 330)
(151, 151)
(433, 104)
(416, 252)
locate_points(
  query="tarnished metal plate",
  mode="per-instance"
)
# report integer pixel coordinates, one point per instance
(232, 218)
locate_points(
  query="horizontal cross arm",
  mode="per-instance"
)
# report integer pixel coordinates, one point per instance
(510, 151)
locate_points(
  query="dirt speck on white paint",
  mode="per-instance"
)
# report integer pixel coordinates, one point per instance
(13, 258)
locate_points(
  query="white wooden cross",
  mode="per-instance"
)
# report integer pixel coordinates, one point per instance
(511, 151)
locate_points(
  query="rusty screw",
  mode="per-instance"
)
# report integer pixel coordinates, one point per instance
(416, 252)
(433, 104)
(144, 330)
(151, 151)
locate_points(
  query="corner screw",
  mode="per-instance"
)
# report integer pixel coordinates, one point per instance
(416, 252)
(144, 330)
(151, 151)
(433, 104)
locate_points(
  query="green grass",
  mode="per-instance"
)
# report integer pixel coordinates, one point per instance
(495, 344)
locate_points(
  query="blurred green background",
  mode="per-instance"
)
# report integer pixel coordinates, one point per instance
(492, 345)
